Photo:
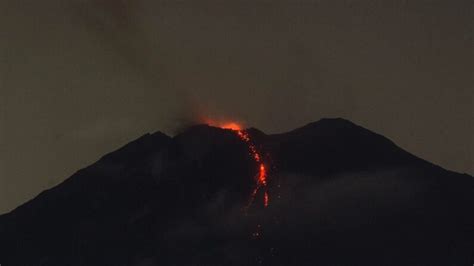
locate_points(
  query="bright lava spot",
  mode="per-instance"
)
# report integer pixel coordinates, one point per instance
(231, 126)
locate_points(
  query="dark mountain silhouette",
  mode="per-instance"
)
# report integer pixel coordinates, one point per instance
(339, 195)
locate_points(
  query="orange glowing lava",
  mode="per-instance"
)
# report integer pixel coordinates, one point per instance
(261, 177)
(232, 126)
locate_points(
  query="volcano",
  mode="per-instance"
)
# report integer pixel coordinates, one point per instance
(333, 193)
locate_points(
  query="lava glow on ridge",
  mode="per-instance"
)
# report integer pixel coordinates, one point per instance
(261, 176)
(232, 126)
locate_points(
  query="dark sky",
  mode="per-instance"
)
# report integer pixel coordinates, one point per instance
(80, 78)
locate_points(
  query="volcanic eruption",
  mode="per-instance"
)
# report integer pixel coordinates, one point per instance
(340, 195)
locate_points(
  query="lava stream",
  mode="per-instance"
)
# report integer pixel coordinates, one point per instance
(261, 177)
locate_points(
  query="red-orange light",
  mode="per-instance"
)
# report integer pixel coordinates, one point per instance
(262, 177)
(231, 126)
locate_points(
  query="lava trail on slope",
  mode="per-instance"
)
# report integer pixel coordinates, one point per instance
(261, 178)
(262, 175)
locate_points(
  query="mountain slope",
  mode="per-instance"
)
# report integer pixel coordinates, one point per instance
(339, 195)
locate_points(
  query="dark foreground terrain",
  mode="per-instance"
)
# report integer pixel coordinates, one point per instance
(339, 194)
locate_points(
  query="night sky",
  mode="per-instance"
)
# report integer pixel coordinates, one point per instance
(80, 78)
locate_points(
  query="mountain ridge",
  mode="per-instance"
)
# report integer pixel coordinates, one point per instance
(154, 199)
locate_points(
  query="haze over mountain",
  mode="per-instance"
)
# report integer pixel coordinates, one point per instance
(339, 194)
(90, 75)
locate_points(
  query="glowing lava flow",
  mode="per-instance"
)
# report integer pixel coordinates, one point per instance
(262, 171)
(261, 177)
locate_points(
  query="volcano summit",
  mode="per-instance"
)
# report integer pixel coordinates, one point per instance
(328, 193)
